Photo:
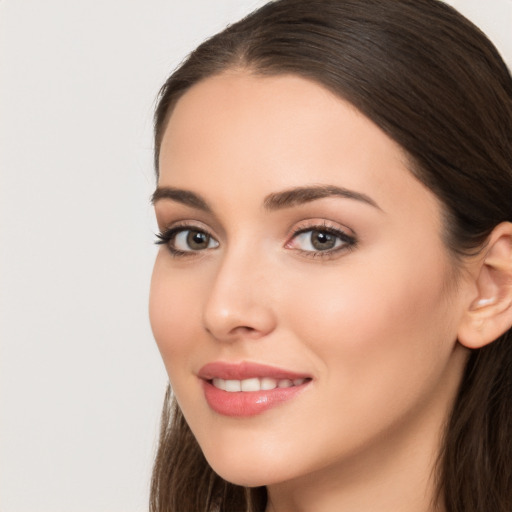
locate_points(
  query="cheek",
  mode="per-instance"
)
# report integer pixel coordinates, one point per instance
(173, 311)
(369, 326)
(379, 348)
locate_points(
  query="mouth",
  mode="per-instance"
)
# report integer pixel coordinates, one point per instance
(255, 384)
(247, 389)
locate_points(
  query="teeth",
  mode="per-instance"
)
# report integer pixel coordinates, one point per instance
(266, 383)
(250, 385)
(255, 384)
(220, 383)
(233, 385)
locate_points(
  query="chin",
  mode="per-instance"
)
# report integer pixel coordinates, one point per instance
(247, 477)
(248, 472)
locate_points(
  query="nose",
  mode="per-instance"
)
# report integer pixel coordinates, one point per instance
(239, 302)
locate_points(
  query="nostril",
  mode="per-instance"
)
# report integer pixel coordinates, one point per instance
(248, 332)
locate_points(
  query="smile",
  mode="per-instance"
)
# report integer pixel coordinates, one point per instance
(255, 384)
(248, 389)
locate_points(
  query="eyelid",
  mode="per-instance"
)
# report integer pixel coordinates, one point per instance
(343, 233)
(186, 223)
(320, 225)
(169, 233)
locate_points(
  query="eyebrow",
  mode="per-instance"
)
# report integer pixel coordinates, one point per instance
(301, 195)
(272, 202)
(179, 195)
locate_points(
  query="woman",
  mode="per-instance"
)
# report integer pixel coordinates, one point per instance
(333, 294)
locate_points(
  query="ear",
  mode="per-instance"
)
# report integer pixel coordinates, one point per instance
(489, 315)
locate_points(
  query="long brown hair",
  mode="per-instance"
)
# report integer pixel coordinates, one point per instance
(437, 86)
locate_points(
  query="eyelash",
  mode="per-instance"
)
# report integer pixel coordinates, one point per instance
(167, 236)
(349, 242)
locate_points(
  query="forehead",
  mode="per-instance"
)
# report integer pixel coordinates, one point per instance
(260, 134)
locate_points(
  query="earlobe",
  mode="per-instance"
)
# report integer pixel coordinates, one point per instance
(489, 315)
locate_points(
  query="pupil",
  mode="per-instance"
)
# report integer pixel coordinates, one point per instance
(322, 240)
(197, 240)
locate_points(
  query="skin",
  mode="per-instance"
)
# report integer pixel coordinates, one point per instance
(374, 324)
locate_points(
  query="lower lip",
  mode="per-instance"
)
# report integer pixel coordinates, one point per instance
(244, 404)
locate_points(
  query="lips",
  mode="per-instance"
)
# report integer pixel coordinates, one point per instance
(247, 389)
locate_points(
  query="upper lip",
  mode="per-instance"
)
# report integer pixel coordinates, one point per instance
(246, 370)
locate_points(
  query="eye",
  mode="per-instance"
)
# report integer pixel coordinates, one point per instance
(193, 240)
(321, 239)
(182, 240)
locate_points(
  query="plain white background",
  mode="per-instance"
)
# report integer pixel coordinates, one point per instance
(81, 382)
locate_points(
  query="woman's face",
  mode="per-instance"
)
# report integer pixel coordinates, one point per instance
(303, 301)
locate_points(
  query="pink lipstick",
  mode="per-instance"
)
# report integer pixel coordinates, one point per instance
(247, 389)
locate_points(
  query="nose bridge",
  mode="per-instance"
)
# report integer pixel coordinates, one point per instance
(238, 303)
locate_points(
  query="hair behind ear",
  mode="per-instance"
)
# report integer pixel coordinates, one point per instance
(475, 468)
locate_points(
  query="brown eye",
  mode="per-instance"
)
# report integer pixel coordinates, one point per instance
(191, 240)
(197, 240)
(322, 241)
